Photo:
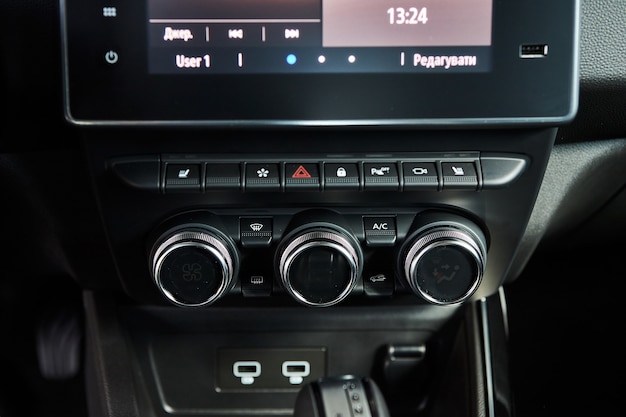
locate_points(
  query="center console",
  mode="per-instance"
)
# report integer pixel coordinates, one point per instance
(311, 189)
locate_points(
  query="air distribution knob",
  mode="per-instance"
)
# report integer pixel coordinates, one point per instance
(319, 264)
(194, 266)
(444, 260)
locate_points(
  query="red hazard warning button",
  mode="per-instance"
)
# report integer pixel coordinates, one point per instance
(301, 172)
(302, 177)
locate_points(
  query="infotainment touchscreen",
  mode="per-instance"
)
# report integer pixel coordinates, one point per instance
(444, 63)
(319, 36)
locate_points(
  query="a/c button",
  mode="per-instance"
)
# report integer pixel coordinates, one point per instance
(380, 230)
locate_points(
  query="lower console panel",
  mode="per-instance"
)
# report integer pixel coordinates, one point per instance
(427, 360)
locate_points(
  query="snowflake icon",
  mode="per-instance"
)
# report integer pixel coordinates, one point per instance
(262, 173)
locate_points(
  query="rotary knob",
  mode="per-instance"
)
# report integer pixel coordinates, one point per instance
(194, 266)
(444, 260)
(319, 265)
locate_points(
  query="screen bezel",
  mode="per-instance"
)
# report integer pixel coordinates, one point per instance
(517, 91)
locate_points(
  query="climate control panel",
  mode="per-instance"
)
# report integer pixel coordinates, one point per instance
(318, 257)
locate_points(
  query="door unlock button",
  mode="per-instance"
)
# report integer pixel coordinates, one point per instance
(341, 176)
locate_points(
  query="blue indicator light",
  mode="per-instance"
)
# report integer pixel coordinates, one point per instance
(291, 59)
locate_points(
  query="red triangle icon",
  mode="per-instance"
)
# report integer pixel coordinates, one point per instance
(301, 172)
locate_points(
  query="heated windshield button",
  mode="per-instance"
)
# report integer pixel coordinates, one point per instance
(420, 176)
(459, 175)
(182, 177)
(381, 176)
(262, 177)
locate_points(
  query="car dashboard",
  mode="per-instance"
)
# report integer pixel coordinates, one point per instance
(213, 207)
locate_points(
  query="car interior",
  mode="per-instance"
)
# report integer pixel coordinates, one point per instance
(312, 208)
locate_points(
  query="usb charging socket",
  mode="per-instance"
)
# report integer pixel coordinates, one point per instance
(533, 51)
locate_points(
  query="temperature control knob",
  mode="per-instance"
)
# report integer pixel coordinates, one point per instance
(319, 265)
(444, 260)
(194, 266)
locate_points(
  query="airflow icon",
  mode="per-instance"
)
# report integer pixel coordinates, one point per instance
(256, 227)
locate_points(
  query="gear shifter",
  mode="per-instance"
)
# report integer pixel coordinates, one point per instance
(341, 396)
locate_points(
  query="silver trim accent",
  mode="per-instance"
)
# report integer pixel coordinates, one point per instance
(201, 240)
(313, 239)
(505, 311)
(432, 239)
(491, 408)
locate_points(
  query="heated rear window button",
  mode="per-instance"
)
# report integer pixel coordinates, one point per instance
(182, 177)
(420, 176)
(380, 231)
(222, 177)
(302, 177)
(255, 232)
(381, 176)
(262, 177)
(459, 176)
(256, 285)
(341, 176)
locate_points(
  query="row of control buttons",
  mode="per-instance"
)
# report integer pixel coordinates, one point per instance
(240, 33)
(172, 173)
(307, 176)
(376, 283)
(257, 232)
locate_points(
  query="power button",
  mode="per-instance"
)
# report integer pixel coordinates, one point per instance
(111, 57)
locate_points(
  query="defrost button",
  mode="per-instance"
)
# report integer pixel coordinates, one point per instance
(256, 285)
(255, 231)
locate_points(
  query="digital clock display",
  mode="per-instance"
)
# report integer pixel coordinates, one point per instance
(319, 36)
(413, 16)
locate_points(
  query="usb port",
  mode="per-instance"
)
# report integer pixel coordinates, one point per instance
(533, 51)
(296, 369)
